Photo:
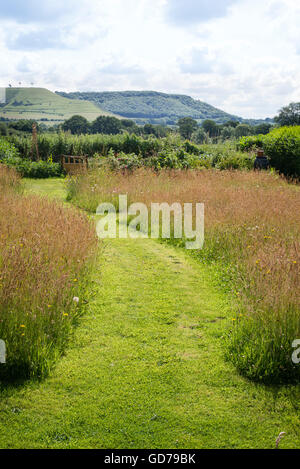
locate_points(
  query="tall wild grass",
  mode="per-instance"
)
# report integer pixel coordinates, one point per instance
(252, 242)
(45, 249)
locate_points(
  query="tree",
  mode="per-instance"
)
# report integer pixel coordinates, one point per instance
(76, 125)
(200, 136)
(262, 129)
(227, 132)
(106, 125)
(187, 126)
(243, 130)
(231, 123)
(289, 115)
(210, 127)
(3, 129)
(149, 129)
(23, 125)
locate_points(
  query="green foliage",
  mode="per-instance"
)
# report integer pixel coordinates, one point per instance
(262, 129)
(23, 125)
(227, 133)
(242, 130)
(231, 123)
(76, 125)
(283, 148)
(9, 155)
(210, 127)
(186, 127)
(191, 148)
(106, 125)
(34, 169)
(251, 143)
(261, 348)
(172, 159)
(225, 156)
(169, 152)
(200, 136)
(7, 149)
(123, 162)
(156, 130)
(289, 115)
(62, 143)
(3, 129)
(152, 107)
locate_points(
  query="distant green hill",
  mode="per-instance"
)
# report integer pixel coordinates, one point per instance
(42, 105)
(154, 107)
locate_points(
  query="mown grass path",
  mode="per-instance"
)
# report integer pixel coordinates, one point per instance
(146, 367)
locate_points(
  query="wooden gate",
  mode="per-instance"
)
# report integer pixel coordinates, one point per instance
(74, 164)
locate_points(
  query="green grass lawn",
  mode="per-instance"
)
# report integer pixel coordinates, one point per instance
(52, 187)
(146, 368)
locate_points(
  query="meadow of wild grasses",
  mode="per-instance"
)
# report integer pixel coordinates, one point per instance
(252, 228)
(45, 249)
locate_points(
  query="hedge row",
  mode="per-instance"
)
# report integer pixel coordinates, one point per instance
(282, 146)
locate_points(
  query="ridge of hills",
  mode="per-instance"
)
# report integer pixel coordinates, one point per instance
(156, 107)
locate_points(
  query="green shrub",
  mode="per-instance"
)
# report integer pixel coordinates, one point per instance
(251, 143)
(123, 162)
(226, 156)
(282, 146)
(7, 149)
(34, 169)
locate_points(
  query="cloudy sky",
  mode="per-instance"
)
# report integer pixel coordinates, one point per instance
(242, 56)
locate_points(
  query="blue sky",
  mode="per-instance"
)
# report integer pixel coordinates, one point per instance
(242, 56)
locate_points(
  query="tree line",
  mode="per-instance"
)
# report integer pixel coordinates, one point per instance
(188, 128)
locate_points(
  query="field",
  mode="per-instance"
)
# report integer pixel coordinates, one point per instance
(146, 368)
(125, 343)
(252, 238)
(41, 104)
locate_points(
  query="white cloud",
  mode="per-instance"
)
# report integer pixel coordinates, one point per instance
(198, 62)
(241, 56)
(187, 12)
(36, 10)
